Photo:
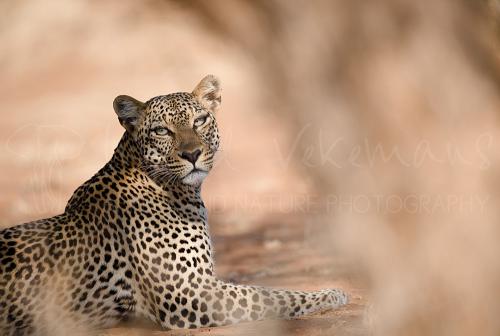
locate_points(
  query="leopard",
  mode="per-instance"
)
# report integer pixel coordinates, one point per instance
(134, 242)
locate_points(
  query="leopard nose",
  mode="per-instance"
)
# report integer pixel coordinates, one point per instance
(191, 156)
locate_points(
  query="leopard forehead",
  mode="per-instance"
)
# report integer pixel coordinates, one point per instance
(177, 108)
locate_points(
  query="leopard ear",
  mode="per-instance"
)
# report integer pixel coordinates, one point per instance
(208, 93)
(129, 111)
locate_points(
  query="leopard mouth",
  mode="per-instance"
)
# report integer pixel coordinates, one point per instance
(195, 177)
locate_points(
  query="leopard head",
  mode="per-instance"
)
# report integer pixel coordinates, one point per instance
(176, 134)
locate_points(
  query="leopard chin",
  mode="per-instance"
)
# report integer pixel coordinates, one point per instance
(195, 178)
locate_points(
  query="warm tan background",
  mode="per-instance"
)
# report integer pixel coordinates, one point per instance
(360, 142)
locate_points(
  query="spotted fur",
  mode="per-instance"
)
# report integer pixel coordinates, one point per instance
(134, 239)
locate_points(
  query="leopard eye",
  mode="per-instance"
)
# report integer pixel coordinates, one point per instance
(200, 121)
(162, 131)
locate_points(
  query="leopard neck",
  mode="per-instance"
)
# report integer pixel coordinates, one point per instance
(126, 154)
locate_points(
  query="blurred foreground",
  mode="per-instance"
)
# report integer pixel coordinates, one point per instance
(360, 142)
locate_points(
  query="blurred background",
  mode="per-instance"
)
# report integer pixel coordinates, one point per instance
(360, 142)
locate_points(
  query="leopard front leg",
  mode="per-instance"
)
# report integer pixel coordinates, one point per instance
(211, 302)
